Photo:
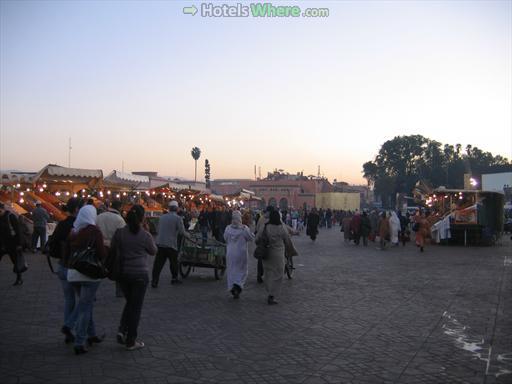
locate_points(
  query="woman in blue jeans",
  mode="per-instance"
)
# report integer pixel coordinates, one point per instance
(85, 234)
(56, 245)
(133, 245)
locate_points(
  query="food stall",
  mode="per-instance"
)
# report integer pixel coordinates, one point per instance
(466, 216)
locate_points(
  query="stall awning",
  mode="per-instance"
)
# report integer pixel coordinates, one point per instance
(57, 173)
(125, 179)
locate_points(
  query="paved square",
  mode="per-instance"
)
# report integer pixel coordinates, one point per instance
(350, 315)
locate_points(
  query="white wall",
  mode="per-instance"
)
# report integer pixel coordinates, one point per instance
(496, 181)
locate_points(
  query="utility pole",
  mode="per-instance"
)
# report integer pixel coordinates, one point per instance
(69, 153)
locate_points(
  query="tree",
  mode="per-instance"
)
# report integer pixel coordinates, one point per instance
(207, 173)
(404, 160)
(196, 154)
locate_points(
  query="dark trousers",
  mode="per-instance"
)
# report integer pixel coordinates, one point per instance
(161, 257)
(39, 233)
(260, 268)
(13, 255)
(134, 290)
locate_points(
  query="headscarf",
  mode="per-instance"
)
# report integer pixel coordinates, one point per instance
(394, 220)
(86, 216)
(236, 219)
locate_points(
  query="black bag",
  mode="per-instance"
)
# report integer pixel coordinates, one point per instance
(416, 227)
(87, 263)
(261, 250)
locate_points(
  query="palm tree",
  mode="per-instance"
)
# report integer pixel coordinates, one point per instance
(196, 154)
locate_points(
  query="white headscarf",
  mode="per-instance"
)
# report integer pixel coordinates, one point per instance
(236, 219)
(394, 218)
(86, 216)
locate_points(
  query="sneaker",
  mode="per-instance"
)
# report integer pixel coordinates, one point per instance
(69, 337)
(137, 345)
(95, 340)
(121, 338)
(80, 350)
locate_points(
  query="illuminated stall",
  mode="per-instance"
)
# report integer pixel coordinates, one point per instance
(466, 216)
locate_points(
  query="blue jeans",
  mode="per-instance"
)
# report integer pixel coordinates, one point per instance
(86, 291)
(69, 297)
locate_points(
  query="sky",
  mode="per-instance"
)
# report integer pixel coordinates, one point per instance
(136, 85)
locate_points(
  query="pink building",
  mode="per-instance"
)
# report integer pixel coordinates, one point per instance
(285, 193)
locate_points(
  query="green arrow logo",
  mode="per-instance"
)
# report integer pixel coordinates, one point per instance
(190, 10)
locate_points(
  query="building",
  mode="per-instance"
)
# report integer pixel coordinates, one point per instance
(346, 201)
(297, 192)
(365, 193)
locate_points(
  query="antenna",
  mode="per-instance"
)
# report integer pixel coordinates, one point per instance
(318, 171)
(69, 153)
(122, 166)
(259, 173)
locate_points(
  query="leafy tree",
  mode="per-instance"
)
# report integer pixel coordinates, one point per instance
(404, 160)
(196, 154)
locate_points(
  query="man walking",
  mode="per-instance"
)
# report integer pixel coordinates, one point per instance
(40, 218)
(170, 227)
(109, 222)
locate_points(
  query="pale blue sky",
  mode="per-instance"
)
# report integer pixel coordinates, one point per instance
(144, 83)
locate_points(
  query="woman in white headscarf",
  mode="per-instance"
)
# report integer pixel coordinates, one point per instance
(85, 234)
(237, 237)
(394, 226)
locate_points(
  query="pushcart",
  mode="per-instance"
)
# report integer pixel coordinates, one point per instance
(194, 253)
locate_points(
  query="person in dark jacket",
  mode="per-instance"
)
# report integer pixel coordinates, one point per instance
(85, 234)
(365, 228)
(10, 241)
(355, 227)
(56, 245)
(204, 225)
(312, 226)
(134, 245)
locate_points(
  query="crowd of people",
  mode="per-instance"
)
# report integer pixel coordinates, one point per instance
(125, 238)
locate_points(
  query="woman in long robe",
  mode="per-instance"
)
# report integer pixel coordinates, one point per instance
(237, 237)
(312, 225)
(383, 228)
(394, 227)
(273, 264)
(423, 230)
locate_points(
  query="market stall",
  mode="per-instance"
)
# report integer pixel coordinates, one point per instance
(469, 217)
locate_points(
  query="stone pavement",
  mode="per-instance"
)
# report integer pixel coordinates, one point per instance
(350, 315)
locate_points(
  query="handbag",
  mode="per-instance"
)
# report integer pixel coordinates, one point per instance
(261, 250)
(87, 263)
(416, 227)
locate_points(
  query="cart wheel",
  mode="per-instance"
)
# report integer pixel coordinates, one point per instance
(288, 267)
(185, 270)
(219, 273)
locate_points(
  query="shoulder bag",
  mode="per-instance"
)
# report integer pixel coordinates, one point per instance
(87, 263)
(261, 250)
